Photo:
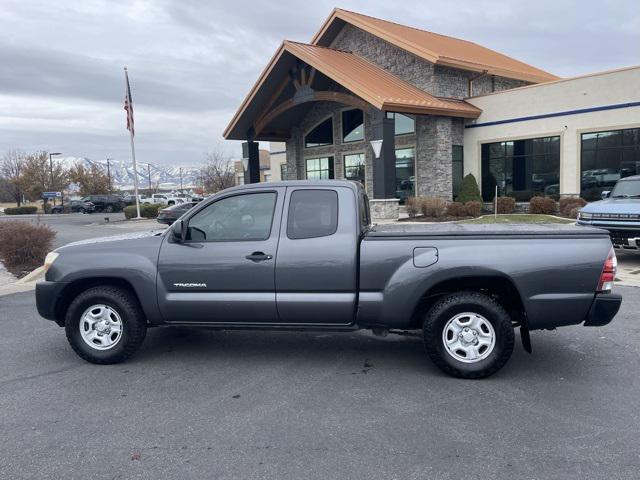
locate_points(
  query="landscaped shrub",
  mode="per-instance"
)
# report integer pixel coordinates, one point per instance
(543, 205)
(573, 213)
(456, 209)
(147, 210)
(567, 205)
(412, 204)
(433, 207)
(473, 208)
(506, 205)
(469, 191)
(23, 245)
(24, 210)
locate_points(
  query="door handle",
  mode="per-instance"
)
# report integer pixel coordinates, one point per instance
(258, 257)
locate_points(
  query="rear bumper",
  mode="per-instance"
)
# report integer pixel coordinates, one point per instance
(604, 308)
(47, 296)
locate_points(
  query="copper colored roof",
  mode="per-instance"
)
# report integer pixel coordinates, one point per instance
(436, 48)
(371, 83)
(375, 85)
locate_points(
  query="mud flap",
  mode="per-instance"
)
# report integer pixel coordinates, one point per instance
(526, 338)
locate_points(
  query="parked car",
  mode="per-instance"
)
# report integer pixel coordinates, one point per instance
(171, 214)
(75, 206)
(304, 256)
(165, 199)
(106, 203)
(618, 212)
(130, 199)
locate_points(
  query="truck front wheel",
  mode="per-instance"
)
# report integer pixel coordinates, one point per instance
(105, 325)
(468, 335)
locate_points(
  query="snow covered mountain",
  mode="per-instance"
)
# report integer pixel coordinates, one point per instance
(122, 173)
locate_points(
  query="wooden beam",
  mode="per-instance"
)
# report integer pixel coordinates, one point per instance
(321, 96)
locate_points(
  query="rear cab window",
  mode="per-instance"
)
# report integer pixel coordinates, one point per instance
(312, 213)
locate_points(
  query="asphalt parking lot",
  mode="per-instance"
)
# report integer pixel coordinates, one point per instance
(76, 226)
(196, 403)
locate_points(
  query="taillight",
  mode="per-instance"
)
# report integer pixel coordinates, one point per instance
(608, 274)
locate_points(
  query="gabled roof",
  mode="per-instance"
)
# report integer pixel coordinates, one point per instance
(375, 85)
(435, 48)
(371, 83)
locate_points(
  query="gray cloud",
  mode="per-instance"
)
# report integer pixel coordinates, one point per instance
(192, 63)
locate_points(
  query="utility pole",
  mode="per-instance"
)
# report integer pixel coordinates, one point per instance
(149, 174)
(51, 186)
(109, 175)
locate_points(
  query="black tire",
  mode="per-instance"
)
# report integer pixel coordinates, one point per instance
(468, 302)
(108, 208)
(134, 325)
(82, 211)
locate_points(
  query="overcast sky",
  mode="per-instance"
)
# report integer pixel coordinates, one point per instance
(192, 62)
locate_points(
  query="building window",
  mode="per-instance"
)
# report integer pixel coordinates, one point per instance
(321, 135)
(457, 168)
(405, 173)
(521, 168)
(354, 165)
(403, 124)
(267, 177)
(283, 172)
(320, 168)
(607, 157)
(352, 126)
(312, 214)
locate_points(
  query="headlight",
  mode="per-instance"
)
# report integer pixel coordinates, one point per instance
(585, 216)
(49, 259)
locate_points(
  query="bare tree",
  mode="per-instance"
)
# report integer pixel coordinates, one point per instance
(11, 171)
(92, 180)
(38, 176)
(217, 172)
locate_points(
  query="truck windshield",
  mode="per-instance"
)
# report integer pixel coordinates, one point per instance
(627, 189)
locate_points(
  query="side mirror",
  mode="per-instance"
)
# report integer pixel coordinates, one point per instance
(605, 194)
(179, 231)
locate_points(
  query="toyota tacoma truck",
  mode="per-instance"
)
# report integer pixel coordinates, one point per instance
(303, 255)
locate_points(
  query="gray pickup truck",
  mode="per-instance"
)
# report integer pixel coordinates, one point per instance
(304, 256)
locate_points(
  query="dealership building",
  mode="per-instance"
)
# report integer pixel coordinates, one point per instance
(409, 112)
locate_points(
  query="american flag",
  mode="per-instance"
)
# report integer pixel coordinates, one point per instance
(128, 105)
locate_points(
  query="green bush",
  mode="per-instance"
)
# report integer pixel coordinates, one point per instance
(456, 209)
(433, 207)
(412, 204)
(567, 205)
(506, 205)
(23, 246)
(469, 192)
(473, 208)
(24, 210)
(147, 210)
(543, 205)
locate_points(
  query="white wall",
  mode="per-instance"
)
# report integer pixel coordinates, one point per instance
(608, 88)
(278, 156)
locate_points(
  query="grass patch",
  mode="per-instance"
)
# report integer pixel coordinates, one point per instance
(523, 218)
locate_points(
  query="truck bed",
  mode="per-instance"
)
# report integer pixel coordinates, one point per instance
(486, 230)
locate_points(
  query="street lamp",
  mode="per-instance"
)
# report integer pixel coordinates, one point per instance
(51, 173)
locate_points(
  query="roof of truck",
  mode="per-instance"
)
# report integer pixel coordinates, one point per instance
(299, 183)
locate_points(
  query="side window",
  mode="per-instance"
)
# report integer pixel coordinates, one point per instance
(238, 218)
(312, 213)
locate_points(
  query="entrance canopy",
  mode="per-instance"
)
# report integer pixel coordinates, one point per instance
(299, 74)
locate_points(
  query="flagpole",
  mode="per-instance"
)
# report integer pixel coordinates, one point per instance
(133, 151)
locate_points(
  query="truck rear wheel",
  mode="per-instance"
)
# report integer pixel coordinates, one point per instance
(105, 325)
(468, 335)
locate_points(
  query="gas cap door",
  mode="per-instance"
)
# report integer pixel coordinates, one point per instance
(424, 256)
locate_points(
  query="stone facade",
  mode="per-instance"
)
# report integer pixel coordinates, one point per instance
(387, 209)
(435, 135)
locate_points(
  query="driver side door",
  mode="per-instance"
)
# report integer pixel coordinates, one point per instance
(225, 270)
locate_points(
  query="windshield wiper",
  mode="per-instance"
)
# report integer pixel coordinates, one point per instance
(626, 196)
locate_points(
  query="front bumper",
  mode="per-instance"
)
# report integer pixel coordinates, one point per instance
(623, 235)
(603, 309)
(47, 296)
